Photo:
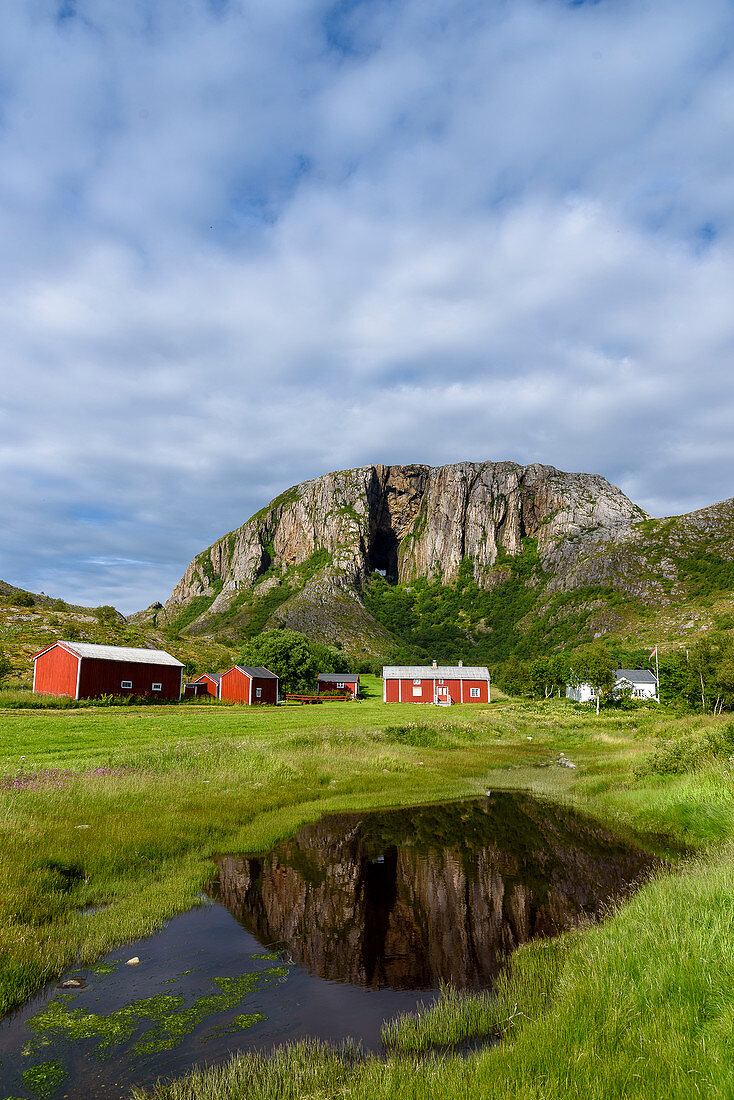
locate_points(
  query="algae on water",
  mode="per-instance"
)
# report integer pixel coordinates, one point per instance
(44, 1078)
(171, 1019)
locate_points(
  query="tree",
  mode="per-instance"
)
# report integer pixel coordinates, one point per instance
(595, 668)
(287, 653)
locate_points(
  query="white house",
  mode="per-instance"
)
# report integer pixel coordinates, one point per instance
(638, 682)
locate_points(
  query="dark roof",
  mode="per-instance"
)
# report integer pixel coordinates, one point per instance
(636, 675)
(258, 672)
(216, 676)
(338, 677)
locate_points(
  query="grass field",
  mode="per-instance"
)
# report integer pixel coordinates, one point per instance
(123, 808)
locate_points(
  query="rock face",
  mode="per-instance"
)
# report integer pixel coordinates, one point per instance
(409, 899)
(406, 521)
(302, 561)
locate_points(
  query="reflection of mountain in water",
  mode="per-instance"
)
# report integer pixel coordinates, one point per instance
(406, 898)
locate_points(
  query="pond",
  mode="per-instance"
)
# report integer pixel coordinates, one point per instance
(353, 920)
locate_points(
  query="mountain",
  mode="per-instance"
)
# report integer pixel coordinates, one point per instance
(516, 558)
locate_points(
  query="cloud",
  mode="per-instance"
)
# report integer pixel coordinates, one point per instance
(246, 243)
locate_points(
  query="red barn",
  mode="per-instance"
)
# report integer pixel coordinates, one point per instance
(249, 685)
(85, 671)
(206, 684)
(442, 684)
(346, 683)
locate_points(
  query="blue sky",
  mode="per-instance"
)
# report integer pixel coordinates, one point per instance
(243, 243)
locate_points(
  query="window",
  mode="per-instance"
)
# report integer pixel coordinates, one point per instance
(157, 687)
(473, 693)
(416, 681)
(258, 693)
(126, 684)
(340, 685)
(440, 681)
(417, 691)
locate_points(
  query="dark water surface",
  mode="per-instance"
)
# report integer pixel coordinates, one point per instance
(353, 920)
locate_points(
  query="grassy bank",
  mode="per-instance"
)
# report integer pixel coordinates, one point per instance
(123, 808)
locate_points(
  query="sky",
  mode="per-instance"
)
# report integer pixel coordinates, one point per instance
(246, 242)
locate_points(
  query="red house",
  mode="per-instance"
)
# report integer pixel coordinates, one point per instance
(440, 684)
(249, 685)
(346, 683)
(206, 684)
(85, 671)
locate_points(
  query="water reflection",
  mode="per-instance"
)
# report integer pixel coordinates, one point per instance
(405, 899)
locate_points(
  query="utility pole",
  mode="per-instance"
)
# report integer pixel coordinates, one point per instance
(657, 672)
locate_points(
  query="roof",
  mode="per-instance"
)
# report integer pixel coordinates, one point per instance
(635, 675)
(258, 672)
(216, 676)
(118, 653)
(338, 677)
(443, 672)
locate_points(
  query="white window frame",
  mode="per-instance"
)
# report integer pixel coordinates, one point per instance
(258, 693)
(440, 681)
(156, 687)
(127, 684)
(474, 693)
(417, 691)
(340, 685)
(417, 681)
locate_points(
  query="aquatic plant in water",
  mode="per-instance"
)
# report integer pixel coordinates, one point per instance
(171, 1029)
(44, 1078)
(172, 1020)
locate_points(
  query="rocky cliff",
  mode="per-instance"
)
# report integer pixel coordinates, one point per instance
(303, 560)
(327, 535)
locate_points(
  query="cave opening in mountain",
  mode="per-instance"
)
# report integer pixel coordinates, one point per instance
(383, 555)
(265, 562)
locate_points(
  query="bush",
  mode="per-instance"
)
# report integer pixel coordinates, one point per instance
(688, 753)
(24, 599)
(106, 613)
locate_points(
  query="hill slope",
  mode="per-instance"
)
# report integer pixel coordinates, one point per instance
(29, 621)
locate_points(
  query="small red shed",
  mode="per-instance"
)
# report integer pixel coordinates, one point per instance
(346, 683)
(249, 685)
(82, 670)
(440, 684)
(206, 684)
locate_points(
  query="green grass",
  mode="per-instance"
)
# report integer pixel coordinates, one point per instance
(641, 1005)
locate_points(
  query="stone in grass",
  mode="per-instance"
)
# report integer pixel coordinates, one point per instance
(134, 961)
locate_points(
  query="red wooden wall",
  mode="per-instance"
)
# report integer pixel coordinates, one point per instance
(105, 678)
(402, 691)
(55, 672)
(235, 686)
(211, 685)
(348, 689)
(57, 668)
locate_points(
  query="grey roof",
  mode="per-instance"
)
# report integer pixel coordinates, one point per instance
(338, 677)
(259, 672)
(443, 672)
(636, 675)
(212, 676)
(122, 653)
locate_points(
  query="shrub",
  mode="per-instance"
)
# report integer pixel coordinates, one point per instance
(688, 753)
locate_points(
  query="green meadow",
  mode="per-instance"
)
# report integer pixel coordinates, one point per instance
(109, 818)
